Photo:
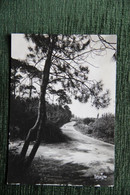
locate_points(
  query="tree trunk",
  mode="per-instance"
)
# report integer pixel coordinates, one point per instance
(30, 91)
(14, 83)
(35, 147)
(41, 119)
(27, 141)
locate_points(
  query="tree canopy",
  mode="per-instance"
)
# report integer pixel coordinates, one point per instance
(69, 66)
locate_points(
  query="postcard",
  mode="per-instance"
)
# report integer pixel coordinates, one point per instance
(62, 109)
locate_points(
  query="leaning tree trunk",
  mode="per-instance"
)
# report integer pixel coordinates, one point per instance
(41, 119)
(30, 91)
(14, 83)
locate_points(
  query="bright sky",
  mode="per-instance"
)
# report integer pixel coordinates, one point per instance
(105, 71)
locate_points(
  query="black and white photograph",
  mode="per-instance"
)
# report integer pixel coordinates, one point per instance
(62, 109)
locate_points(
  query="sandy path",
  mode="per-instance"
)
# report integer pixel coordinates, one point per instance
(96, 156)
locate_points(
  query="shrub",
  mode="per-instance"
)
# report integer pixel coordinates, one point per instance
(101, 128)
(53, 134)
(88, 120)
(104, 126)
(23, 114)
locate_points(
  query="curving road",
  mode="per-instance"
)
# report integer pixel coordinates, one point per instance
(97, 157)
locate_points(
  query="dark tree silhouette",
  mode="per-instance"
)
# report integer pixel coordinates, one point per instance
(15, 76)
(18, 69)
(63, 61)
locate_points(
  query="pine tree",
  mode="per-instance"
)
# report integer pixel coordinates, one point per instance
(63, 62)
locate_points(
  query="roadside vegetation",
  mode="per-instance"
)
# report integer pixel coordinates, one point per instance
(101, 128)
(23, 114)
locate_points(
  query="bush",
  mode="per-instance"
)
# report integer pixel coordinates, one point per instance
(88, 120)
(23, 114)
(90, 131)
(104, 127)
(53, 134)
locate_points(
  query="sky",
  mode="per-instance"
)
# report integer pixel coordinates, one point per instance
(104, 69)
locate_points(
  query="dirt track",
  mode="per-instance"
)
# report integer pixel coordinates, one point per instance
(95, 154)
(96, 157)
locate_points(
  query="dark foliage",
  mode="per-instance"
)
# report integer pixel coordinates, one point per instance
(23, 114)
(88, 120)
(53, 134)
(21, 71)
